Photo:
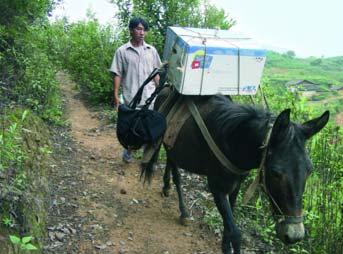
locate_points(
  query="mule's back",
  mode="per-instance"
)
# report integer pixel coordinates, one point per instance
(190, 150)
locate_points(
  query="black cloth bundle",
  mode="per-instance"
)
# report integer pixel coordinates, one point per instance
(136, 127)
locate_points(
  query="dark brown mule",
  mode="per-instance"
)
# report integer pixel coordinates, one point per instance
(239, 131)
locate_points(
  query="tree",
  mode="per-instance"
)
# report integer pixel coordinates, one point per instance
(216, 18)
(290, 53)
(16, 15)
(163, 13)
(316, 62)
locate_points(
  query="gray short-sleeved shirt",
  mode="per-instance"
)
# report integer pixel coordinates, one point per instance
(133, 65)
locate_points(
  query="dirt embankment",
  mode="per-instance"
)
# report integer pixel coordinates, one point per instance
(100, 206)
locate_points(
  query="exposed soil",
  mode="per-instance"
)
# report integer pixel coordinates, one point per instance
(99, 205)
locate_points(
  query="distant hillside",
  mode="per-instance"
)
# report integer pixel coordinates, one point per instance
(325, 73)
(281, 68)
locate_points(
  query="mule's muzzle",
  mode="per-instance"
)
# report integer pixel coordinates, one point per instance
(290, 233)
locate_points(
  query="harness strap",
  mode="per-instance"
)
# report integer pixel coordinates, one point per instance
(251, 189)
(260, 176)
(228, 166)
(289, 219)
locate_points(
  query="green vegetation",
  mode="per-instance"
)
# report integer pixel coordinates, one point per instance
(23, 243)
(87, 55)
(27, 89)
(24, 150)
(327, 75)
(12, 159)
(281, 68)
(27, 74)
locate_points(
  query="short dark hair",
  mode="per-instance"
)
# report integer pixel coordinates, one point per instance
(134, 22)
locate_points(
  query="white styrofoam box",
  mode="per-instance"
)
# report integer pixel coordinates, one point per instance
(208, 61)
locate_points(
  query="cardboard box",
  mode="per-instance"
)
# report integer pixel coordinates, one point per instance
(208, 61)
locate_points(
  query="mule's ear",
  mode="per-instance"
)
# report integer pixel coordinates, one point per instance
(315, 125)
(281, 126)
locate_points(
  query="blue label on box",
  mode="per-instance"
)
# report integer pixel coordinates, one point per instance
(249, 89)
(220, 50)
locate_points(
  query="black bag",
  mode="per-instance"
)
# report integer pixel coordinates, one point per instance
(136, 127)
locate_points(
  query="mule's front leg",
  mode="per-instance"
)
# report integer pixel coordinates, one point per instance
(232, 235)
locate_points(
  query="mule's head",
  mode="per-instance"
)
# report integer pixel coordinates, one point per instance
(287, 167)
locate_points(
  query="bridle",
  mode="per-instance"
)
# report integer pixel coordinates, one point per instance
(260, 180)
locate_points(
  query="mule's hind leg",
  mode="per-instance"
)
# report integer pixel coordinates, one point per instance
(166, 182)
(184, 217)
(233, 197)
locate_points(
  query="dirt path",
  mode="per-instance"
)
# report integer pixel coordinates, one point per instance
(99, 204)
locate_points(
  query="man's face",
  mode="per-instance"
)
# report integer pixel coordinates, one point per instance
(138, 33)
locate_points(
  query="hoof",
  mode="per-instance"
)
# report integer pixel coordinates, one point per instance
(185, 221)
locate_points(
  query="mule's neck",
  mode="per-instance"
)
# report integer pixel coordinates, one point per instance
(244, 145)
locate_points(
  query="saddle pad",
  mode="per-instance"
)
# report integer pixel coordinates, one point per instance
(176, 117)
(175, 124)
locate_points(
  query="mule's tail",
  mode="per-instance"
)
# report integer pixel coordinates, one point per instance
(148, 163)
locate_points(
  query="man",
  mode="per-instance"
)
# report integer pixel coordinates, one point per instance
(132, 63)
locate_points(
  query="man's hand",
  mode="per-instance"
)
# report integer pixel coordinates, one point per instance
(157, 80)
(116, 102)
(116, 85)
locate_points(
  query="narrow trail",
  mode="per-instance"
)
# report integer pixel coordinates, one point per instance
(99, 204)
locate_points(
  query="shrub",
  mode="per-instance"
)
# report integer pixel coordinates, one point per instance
(90, 51)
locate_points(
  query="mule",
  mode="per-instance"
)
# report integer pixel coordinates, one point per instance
(240, 131)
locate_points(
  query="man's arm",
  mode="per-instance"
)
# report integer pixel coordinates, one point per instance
(116, 84)
(158, 64)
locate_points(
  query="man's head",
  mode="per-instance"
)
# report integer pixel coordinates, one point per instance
(138, 27)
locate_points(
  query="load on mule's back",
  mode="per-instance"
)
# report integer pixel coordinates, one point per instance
(232, 140)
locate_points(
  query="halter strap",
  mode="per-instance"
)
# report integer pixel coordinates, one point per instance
(253, 186)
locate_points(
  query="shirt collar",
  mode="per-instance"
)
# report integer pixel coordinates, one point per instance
(129, 45)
